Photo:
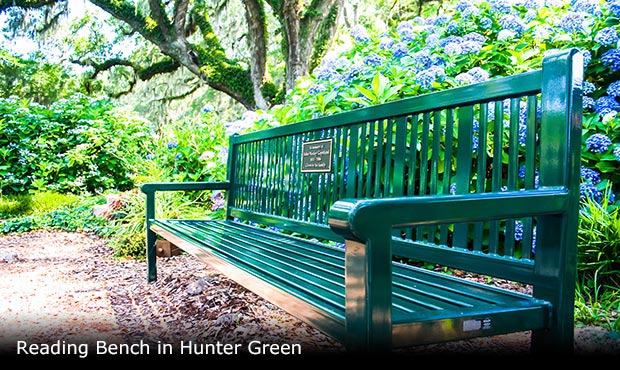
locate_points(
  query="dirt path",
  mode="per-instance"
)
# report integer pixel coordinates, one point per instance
(65, 288)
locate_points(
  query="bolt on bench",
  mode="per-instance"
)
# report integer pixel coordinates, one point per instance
(482, 178)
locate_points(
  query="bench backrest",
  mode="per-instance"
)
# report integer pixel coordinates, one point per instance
(518, 132)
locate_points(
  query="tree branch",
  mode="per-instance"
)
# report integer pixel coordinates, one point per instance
(180, 16)
(161, 18)
(27, 4)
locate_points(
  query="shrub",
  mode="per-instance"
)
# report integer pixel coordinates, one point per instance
(77, 145)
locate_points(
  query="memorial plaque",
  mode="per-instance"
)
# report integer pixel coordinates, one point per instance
(316, 156)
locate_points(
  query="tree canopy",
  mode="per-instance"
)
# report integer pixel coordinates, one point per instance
(184, 35)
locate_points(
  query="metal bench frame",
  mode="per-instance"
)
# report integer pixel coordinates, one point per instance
(390, 192)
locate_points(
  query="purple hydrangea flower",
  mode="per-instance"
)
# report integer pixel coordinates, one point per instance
(172, 144)
(598, 143)
(608, 36)
(218, 201)
(617, 153)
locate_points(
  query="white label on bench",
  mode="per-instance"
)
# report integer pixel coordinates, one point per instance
(472, 325)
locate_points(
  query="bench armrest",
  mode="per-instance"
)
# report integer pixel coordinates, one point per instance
(152, 187)
(359, 219)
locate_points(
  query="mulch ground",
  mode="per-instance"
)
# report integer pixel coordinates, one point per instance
(66, 288)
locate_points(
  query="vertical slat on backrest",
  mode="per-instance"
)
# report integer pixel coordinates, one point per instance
(370, 157)
(423, 174)
(351, 165)
(530, 170)
(379, 158)
(463, 166)
(481, 169)
(362, 157)
(447, 167)
(512, 171)
(496, 175)
(387, 164)
(413, 145)
(435, 157)
(400, 156)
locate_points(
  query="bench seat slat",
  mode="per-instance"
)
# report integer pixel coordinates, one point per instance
(314, 273)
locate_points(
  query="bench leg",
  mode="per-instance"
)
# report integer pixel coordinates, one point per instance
(151, 255)
(368, 303)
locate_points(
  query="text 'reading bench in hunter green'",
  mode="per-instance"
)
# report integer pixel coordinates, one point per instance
(482, 178)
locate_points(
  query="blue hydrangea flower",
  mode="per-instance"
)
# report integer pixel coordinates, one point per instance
(588, 87)
(605, 104)
(453, 188)
(572, 22)
(506, 35)
(518, 230)
(587, 57)
(373, 60)
(614, 89)
(479, 74)
(359, 33)
(217, 200)
(208, 108)
(512, 23)
(598, 143)
(316, 88)
(462, 5)
(453, 48)
(587, 6)
(476, 37)
(590, 175)
(530, 15)
(327, 73)
(464, 79)
(404, 26)
(588, 103)
(617, 153)
(470, 47)
(486, 23)
(542, 33)
(422, 59)
(432, 40)
(178, 156)
(400, 50)
(614, 7)
(589, 191)
(440, 21)
(608, 36)
(500, 6)
(385, 43)
(150, 156)
(611, 58)
(172, 144)
(453, 27)
(427, 76)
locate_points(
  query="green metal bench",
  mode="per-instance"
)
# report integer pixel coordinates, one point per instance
(482, 178)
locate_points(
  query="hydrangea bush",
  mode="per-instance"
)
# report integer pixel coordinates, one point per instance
(471, 42)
